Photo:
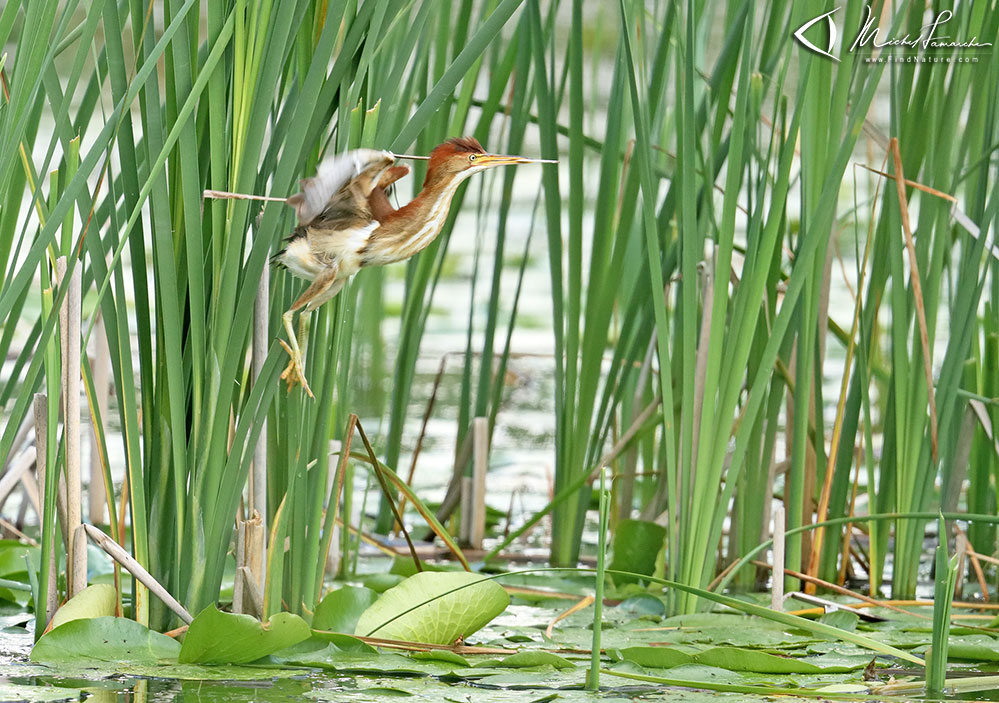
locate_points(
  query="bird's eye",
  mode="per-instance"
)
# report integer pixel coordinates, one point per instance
(471, 157)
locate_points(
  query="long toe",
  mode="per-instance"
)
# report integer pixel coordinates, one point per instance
(294, 372)
(304, 383)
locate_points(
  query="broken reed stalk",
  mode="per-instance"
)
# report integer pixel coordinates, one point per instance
(226, 195)
(480, 464)
(115, 551)
(41, 457)
(69, 318)
(258, 477)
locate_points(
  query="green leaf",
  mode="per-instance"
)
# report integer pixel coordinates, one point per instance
(103, 639)
(92, 602)
(344, 643)
(226, 638)
(12, 558)
(843, 619)
(736, 659)
(974, 652)
(31, 694)
(657, 657)
(340, 609)
(636, 544)
(643, 604)
(444, 655)
(438, 608)
(381, 582)
(524, 660)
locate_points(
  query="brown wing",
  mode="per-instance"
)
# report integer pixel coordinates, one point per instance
(338, 193)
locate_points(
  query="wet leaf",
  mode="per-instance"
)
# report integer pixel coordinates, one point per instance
(209, 672)
(736, 659)
(844, 688)
(443, 615)
(444, 655)
(227, 638)
(33, 694)
(974, 651)
(105, 639)
(657, 657)
(523, 660)
(379, 663)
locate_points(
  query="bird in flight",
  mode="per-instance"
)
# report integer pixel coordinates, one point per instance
(346, 222)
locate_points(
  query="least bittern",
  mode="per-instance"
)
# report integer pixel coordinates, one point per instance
(345, 221)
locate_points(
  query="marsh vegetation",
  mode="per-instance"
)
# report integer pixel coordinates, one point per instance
(759, 279)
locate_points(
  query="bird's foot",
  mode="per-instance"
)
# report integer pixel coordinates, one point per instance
(294, 373)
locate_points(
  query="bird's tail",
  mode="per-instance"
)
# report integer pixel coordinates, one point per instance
(278, 258)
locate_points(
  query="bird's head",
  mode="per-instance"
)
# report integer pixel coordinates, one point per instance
(460, 157)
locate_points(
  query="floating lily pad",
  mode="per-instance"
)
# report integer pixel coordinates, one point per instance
(657, 657)
(843, 619)
(736, 659)
(33, 694)
(101, 640)
(974, 651)
(444, 655)
(438, 608)
(382, 581)
(213, 672)
(378, 663)
(523, 660)
(347, 643)
(227, 638)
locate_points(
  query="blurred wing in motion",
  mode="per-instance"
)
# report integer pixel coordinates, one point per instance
(361, 168)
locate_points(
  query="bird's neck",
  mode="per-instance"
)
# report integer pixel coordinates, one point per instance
(413, 227)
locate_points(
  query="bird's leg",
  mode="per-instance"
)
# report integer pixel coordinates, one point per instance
(304, 321)
(316, 293)
(295, 371)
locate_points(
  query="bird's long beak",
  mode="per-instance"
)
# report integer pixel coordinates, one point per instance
(490, 160)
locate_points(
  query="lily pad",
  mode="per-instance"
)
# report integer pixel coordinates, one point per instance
(437, 608)
(103, 639)
(643, 604)
(657, 657)
(379, 663)
(973, 652)
(525, 660)
(340, 610)
(215, 637)
(202, 672)
(33, 694)
(736, 659)
(444, 655)
(92, 602)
